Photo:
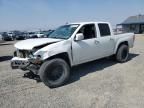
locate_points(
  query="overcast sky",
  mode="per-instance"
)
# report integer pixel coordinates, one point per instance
(36, 14)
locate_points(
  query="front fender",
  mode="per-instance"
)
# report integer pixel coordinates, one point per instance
(55, 49)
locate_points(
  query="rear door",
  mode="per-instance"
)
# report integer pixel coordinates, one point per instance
(106, 41)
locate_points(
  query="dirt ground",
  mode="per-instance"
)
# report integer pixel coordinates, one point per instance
(99, 84)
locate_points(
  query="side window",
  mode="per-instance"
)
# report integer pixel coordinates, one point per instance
(104, 29)
(88, 31)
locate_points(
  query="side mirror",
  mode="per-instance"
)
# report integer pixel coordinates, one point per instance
(79, 37)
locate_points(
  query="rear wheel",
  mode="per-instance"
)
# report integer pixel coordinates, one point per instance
(122, 53)
(55, 72)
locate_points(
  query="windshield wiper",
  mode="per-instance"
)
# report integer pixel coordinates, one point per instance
(58, 37)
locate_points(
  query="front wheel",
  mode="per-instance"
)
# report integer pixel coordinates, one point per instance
(122, 53)
(54, 73)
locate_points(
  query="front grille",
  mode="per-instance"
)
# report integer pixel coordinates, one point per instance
(23, 53)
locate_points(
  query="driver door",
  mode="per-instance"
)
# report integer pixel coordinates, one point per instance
(87, 49)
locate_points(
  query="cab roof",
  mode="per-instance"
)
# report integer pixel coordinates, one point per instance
(81, 23)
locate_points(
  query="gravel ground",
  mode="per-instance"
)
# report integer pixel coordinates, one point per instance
(98, 84)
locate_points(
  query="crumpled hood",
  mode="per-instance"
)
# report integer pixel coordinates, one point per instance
(29, 44)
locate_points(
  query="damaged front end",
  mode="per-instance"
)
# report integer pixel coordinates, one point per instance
(25, 60)
(29, 54)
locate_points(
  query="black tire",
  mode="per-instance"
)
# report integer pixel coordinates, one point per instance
(122, 53)
(54, 73)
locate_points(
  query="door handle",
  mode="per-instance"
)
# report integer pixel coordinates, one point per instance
(97, 42)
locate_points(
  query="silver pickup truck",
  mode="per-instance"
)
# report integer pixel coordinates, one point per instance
(70, 45)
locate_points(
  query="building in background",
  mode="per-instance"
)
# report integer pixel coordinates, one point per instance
(133, 24)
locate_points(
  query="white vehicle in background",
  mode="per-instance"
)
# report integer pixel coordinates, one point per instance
(39, 34)
(31, 35)
(70, 45)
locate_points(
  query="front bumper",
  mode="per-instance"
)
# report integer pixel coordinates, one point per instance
(19, 63)
(32, 64)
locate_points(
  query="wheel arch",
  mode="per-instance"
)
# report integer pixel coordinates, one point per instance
(64, 56)
(119, 44)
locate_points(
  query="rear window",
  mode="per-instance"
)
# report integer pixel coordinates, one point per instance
(104, 29)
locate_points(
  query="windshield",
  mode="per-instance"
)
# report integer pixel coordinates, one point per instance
(64, 32)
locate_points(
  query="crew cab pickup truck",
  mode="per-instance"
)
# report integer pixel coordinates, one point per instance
(70, 45)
